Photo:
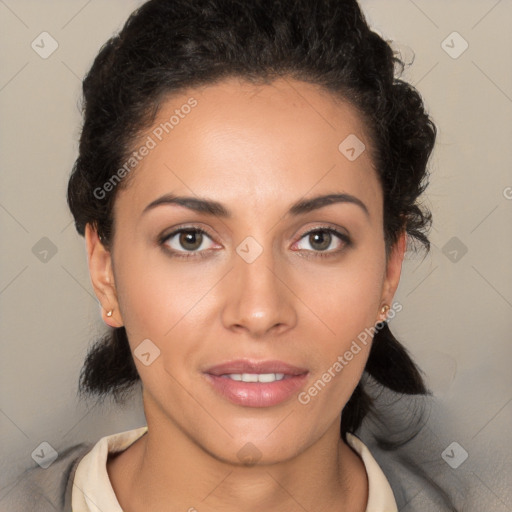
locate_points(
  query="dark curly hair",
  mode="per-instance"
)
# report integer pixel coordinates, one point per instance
(168, 46)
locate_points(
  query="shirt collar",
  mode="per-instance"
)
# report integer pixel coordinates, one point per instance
(93, 492)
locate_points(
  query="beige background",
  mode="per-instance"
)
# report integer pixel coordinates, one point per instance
(457, 306)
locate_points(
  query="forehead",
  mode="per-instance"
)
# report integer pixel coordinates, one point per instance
(241, 143)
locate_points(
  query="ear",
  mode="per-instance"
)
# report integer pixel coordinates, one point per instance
(393, 271)
(102, 277)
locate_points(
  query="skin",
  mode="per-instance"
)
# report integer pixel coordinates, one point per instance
(257, 150)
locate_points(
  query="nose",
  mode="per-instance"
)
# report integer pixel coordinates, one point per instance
(258, 297)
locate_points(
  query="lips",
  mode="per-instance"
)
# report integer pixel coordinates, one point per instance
(245, 366)
(236, 381)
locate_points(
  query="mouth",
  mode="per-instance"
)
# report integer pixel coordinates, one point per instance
(256, 383)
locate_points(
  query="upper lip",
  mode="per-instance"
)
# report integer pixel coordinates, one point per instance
(247, 366)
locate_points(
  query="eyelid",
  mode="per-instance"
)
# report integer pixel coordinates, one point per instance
(326, 227)
(178, 229)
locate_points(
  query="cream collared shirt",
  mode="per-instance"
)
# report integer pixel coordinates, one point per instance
(93, 492)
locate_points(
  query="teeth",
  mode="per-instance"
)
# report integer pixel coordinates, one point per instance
(256, 377)
(269, 377)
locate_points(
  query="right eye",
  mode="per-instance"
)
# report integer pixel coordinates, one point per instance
(190, 240)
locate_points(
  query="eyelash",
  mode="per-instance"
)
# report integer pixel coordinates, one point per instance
(203, 254)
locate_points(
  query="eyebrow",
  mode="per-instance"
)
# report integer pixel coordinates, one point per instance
(211, 207)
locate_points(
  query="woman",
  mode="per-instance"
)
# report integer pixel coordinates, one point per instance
(247, 183)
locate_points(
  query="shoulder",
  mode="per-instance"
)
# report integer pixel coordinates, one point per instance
(419, 477)
(45, 490)
(402, 438)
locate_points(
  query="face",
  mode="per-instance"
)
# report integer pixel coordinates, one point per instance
(268, 284)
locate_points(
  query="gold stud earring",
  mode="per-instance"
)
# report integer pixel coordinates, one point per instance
(384, 309)
(110, 313)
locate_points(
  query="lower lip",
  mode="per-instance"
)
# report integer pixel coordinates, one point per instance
(257, 394)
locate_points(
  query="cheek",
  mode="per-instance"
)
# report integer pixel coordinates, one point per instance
(166, 301)
(160, 301)
(345, 297)
(154, 294)
(348, 305)
(346, 300)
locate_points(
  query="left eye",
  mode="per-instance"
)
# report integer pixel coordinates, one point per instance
(323, 238)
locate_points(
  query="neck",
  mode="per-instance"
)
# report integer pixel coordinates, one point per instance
(166, 466)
